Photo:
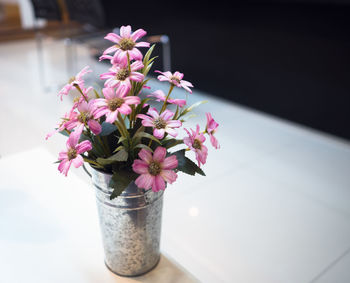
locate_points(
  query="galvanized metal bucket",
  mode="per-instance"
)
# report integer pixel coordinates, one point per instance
(130, 226)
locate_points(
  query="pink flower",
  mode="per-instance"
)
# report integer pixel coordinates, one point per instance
(125, 44)
(161, 123)
(83, 97)
(106, 57)
(77, 80)
(62, 125)
(72, 154)
(120, 75)
(79, 120)
(160, 96)
(195, 142)
(114, 102)
(211, 129)
(175, 79)
(155, 170)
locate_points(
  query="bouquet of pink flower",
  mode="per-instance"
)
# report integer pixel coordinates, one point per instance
(117, 132)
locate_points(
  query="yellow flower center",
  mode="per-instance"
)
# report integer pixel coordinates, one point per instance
(126, 44)
(154, 168)
(72, 153)
(123, 74)
(197, 144)
(84, 117)
(174, 78)
(159, 123)
(115, 103)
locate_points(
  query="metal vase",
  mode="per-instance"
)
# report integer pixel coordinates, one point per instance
(130, 226)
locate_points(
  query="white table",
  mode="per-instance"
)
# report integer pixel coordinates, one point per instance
(274, 206)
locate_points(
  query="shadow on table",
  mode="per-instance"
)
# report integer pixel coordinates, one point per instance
(167, 271)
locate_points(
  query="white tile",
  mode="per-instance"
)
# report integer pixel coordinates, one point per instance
(314, 167)
(337, 272)
(248, 228)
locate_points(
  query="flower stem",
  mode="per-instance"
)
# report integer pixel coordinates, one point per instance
(91, 161)
(79, 89)
(105, 148)
(166, 99)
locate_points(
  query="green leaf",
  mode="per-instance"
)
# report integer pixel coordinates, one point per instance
(122, 124)
(119, 148)
(119, 182)
(136, 139)
(64, 133)
(141, 145)
(146, 70)
(190, 108)
(190, 165)
(139, 130)
(146, 135)
(139, 107)
(121, 155)
(92, 162)
(107, 128)
(186, 165)
(148, 54)
(121, 139)
(171, 143)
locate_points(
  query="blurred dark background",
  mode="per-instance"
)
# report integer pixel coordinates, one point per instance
(287, 58)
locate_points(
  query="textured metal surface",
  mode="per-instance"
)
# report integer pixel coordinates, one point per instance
(130, 226)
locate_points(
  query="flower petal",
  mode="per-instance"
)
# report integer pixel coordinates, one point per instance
(62, 155)
(110, 50)
(111, 116)
(125, 109)
(135, 54)
(113, 37)
(142, 44)
(178, 75)
(100, 112)
(64, 166)
(170, 162)
(171, 132)
(158, 184)
(158, 133)
(108, 93)
(140, 166)
(166, 115)
(144, 181)
(78, 161)
(174, 123)
(132, 100)
(145, 155)
(137, 65)
(214, 142)
(95, 126)
(147, 122)
(138, 34)
(169, 176)
(125, 31)
(136, 76)
(73, 140)
(83, 146)
(153, 112)
(159, 154)
(122, 91)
